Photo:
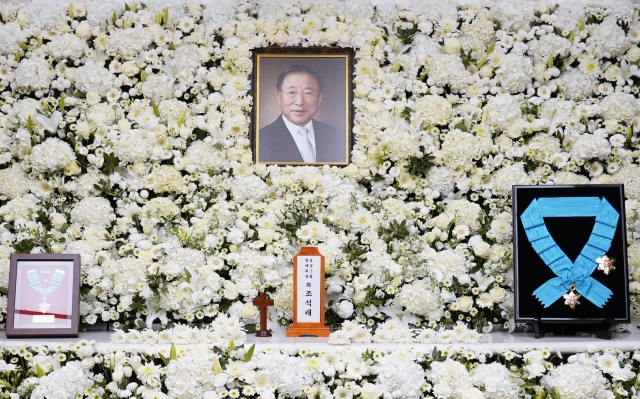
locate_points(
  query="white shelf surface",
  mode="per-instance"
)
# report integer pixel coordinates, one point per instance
(496, 341)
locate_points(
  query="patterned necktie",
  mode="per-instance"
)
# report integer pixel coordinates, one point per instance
(308, 153)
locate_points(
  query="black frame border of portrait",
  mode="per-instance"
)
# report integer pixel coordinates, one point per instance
(570, 233)
(302, 52)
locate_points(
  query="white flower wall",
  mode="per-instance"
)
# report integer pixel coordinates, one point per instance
(124, 136)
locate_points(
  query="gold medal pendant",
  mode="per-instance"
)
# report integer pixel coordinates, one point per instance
(606, 264)
(572, 299)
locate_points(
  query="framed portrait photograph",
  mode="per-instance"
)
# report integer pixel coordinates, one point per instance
(302, 111)
(570, 254)
(44, 295)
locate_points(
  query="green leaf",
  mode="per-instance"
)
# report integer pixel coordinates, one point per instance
(143, 76)
(165, 360)
(156, 111)
(232, 346)
(172, 354)
(114, 18)
(249, 354)
(165, 16)
(40, 371)
(187, 274)
(126, 7)
(4, 291)
(70, 11)
(110, 163)
(61, 103)
(461, 126)
(172, 46)
(30, 125)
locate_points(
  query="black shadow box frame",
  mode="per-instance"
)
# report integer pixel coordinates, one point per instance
(571, 234)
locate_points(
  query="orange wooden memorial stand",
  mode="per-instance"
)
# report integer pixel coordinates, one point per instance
(317, 329)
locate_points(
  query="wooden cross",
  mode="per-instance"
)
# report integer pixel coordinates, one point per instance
(262, 303)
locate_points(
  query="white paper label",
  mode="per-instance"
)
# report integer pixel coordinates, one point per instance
(44, 318)
(308, 279)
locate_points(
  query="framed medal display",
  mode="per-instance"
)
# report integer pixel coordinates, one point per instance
(570, 254)
(44, 295)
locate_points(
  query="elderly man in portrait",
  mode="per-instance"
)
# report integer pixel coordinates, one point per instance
(295, 136)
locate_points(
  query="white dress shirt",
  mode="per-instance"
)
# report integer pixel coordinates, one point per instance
(299, 139)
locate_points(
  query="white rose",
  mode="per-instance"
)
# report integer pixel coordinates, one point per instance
(93, 98)
(611, 74)
(88, 363)
(451, 45)
(465, 302)
(482, 250)
(633, 54)
(498, 294)
(230, 290)
(249, 311)
(515, 130)
(359, 297)
(442, 221)
(45, 363)
(130, 68)
(345, 309)
(370, 391)
(472, 393)
(83, 30)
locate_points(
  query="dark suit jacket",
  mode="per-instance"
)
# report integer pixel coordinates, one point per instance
(277, 145)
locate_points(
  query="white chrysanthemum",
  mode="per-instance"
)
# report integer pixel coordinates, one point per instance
(93, 210)
(51, 155)
(421, 298)
(13, 181)
(134, 145)
(34, 73)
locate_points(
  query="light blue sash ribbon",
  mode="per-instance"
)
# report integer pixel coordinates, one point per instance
(568, 272)
(34, 282)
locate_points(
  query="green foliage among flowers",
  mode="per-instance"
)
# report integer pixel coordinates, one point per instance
(124, 137)
(89, 370)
